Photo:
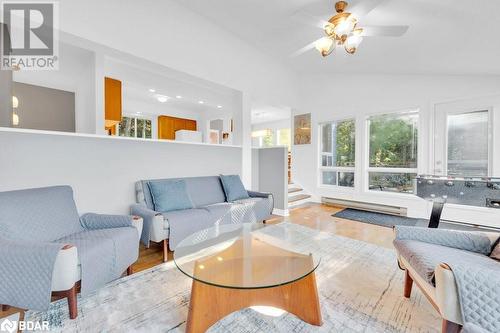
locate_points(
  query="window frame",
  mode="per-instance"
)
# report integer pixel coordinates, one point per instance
(445, 134)
(366, 151)
(336, 169)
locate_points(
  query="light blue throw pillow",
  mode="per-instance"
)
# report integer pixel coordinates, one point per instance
(233, 187)
(170, 195)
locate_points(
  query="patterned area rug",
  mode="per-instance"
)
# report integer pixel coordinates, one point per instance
(360, 289)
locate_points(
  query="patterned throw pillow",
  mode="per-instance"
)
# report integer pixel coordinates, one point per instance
(495, 254)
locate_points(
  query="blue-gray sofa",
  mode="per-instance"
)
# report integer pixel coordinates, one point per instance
(210, 208)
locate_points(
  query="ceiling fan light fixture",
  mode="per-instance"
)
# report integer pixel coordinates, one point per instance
(344, 27)
(325, 46)
(352, 42)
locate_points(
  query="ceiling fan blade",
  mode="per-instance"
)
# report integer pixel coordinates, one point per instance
(304, 49)
(383, 30)
(364, 7)
(308, 19)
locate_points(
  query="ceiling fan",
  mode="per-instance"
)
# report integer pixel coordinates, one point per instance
(343, 28)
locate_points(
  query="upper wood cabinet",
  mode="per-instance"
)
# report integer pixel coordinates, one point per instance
(167, 126)
(112, 101)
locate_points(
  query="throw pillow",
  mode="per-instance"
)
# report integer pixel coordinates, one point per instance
(495, 254)
(170, 195)
(233, 187)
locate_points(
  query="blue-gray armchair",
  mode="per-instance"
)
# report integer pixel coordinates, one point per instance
(48, 250)
(454, 271)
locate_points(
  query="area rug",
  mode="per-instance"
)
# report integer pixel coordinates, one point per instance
(360, 289)
(385, 220)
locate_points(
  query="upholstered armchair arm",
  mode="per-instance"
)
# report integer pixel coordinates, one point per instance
(19, 286)
(470, 241)
(92, 221)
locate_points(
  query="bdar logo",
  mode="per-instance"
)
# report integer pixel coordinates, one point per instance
(8, 326)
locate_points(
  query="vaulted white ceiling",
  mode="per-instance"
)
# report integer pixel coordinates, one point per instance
(445, 36)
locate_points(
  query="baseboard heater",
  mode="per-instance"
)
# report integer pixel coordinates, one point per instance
(378, 208)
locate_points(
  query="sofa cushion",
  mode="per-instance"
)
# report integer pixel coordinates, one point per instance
(425, 257)
(170, 195)
(221, 212)
(186, 222)
(233, 188)
(41, 214)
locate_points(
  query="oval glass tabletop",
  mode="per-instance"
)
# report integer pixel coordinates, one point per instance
(245, 256)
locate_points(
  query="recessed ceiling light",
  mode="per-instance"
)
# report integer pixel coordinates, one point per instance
(162, 98)
(219, 106)
(152, 90)
(178, 96)
(200, 102)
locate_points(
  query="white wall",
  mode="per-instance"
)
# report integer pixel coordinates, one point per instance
(344, 96)
(103, 170)
(176, 37)
(274, 125)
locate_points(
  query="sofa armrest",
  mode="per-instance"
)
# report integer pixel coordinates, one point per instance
(447, 294)
(470, 241)
(255, 194)
(92, 221)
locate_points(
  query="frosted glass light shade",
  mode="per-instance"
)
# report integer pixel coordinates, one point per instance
(352, 42)
(325, 46)
(15, 102)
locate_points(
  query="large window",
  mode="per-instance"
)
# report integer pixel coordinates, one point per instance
(263, 138)
(393, 152)
(271, 138)
(468, 144)
(337, 153)
(135, 128)
(283, 138)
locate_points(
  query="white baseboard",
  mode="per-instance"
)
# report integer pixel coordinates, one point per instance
(280, 212)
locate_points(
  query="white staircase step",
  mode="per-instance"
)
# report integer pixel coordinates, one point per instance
(294, 198)
(294, 189)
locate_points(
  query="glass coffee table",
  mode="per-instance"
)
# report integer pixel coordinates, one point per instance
(241, 265)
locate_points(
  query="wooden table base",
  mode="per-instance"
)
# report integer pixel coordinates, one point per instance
(209, 304)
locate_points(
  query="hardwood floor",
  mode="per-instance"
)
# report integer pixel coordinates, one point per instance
(316, 216)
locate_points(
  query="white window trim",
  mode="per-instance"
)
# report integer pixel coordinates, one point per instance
(320, 155)
(366, 154)
(444, 133)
